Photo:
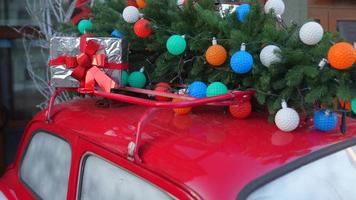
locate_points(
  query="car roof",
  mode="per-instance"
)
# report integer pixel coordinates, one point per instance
(208, 150)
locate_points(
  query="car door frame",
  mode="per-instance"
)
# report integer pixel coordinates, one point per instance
(177, 191)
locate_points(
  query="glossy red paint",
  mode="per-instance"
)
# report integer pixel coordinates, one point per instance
(206, 154)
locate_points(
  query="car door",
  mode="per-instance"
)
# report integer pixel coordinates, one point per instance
(42, 168)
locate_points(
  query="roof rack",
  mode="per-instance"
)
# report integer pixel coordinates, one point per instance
(231, 98)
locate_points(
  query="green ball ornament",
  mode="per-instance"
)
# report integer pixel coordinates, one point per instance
(353, 105)
(215, 89)
(137, 79)
(85, 26)
(176, 45)
(124, 78)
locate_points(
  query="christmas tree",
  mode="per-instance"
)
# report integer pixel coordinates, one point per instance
(290, 66)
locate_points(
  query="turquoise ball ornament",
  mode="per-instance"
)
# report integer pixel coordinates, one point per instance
(85, 26)
(124, 78)
(353, 105)
(176, 45)
(215, 89)
(137, 79)
(242, 11)
(197, 89)
(325, 120)
(241, 62)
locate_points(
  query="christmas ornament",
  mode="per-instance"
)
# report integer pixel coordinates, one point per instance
(216, 54)
(85, 26)
(117, 34)
(345, 105)
(181, 111)
(241, 110)
(342, 55)
(124, 78)
(142, 28)
(162, 87)
(287, 119)
(176, 45)
(277, 6)
(241, 62)
(325, 120)
(131, 14)
(215, 89)
(311, 33)
(137, 79)
(353, 105)
(180, 2)
(197, 89)
(141, 3)
(269, 55)
(242, 11)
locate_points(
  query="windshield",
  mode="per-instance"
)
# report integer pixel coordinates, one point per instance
(332, 177)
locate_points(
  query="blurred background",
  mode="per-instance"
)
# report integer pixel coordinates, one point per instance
(19, 98)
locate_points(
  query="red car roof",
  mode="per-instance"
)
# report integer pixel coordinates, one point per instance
(211, 152)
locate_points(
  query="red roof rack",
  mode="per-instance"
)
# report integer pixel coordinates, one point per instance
(231, 98)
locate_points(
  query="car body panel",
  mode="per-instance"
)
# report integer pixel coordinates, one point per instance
(207, 152)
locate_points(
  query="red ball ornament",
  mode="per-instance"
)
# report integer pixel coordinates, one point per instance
(162, 87)
(241, 110)
(131, 3)
(142, 28)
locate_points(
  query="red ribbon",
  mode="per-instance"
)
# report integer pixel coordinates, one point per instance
(86, 65)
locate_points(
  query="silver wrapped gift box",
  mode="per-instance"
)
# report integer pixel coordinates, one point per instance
(115, 50)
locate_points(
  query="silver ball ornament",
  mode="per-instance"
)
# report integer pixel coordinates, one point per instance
(131, 14)
(268, 55)
(277, 5)
(311, 33)
(287, 119)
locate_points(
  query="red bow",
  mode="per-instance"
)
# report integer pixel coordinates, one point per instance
(86, 66)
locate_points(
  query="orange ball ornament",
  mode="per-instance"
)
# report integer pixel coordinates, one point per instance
(241, 110)
(216, 54)
(342, 56)
(141, 3)
(181, 111)
(162, 87)
(345, 104)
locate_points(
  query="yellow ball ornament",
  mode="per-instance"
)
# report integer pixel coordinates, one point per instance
(216, 54)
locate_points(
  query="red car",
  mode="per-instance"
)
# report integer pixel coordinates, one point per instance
(86, 152)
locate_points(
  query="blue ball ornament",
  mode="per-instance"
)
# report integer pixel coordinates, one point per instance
(242, 11)
(241, 62)
(116, 34)
(325, 120)
(197, 89)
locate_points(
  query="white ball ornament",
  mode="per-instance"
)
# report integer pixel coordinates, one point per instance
(277, 5)
(311, 33)
(131, 14)
(269, 55)
(287, 119)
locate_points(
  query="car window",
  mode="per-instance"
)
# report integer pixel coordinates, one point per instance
(332, 177)
(105, 181)
(45, 166)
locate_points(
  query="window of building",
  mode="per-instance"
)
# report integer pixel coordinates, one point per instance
(46, 165)
(332, 177)
(347, 29)
(105, 181)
